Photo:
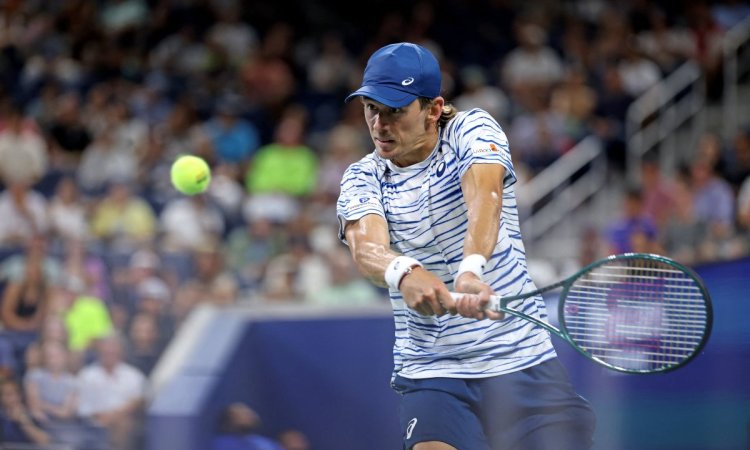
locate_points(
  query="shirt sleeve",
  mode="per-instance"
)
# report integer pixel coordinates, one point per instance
(360, 195)
(479, 139)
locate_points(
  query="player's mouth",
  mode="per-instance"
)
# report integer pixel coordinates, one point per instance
(385, 144)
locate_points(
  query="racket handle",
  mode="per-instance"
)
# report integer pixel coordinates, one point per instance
(493, 305)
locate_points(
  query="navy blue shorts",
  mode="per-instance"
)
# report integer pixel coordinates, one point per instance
(532, 409)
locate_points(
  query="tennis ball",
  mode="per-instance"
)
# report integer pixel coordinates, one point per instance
(190, 174)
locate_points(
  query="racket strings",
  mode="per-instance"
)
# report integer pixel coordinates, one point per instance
(636, 314)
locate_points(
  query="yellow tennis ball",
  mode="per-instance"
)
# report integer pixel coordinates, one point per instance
(190, 174)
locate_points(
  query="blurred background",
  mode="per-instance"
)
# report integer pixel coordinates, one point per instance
(136, 318)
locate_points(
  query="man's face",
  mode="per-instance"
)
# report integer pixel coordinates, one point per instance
(404, 135)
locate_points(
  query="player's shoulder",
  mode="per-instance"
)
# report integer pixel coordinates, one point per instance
(470, 119)
(369, 165)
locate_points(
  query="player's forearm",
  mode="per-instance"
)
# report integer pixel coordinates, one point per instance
(369, 243)
(372, 260)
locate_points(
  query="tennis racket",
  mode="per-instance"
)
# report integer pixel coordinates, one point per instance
(634, 313)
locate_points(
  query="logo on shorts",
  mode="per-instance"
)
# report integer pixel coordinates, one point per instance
(410, 427)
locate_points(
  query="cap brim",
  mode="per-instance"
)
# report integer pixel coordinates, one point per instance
(385, 95)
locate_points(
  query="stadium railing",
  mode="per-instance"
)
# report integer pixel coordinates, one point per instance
(655, 116)
(568, 182)
(736, 65)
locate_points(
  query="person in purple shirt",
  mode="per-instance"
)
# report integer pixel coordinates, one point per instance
(635, 231)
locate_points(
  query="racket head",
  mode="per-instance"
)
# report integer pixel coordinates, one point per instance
(636, 313)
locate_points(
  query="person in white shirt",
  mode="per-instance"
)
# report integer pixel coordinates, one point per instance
(111, 392)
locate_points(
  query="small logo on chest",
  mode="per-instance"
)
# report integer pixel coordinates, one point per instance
(440, 169)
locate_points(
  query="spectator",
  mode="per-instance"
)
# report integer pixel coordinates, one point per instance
(738, 165)
(145, 342)
(287, 165)
(479, 92)
(668, 46)
(130, 271)
(26, 296)
(532, 65)
(574, 101)
(296, 274)
(343, 147)
(714, 203)
(227, 192)
(83, 264)
(634, 229)
(538, 135)
(67, 212)
(153, 297)
(16, 424)
(637, 72)
(233, 139)
(106, 159)
(149, 101)
(250, 247)
(86, 317)
(69, 135)
(713, 197)
(111, 392)
(122, 219)
(683, 234)
(238, 426)
(24, 213)
(182, 53)
(14, 268)
(330, 70)
(658, 193)
(188, 223)
(609, 114)
(23, 151)
(51, 390)
(293, 440)
(237, 40)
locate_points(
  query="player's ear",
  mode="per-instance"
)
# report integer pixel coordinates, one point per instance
(435, 109)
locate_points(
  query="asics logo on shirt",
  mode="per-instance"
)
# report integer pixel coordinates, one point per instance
(441, 169)
(407, 81)
(410, 427)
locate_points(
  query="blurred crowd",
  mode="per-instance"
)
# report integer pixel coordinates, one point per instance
(101, 260)
(699, 214)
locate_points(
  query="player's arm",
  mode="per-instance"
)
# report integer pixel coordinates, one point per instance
(482, 187)
(369, 244)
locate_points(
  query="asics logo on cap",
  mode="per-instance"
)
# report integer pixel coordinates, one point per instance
(407, 81)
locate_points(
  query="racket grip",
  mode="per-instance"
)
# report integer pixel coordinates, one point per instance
(493, 305)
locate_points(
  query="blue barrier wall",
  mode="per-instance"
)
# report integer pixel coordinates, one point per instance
(328, 377)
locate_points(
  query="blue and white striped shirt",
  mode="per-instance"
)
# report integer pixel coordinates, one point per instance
(427, 220)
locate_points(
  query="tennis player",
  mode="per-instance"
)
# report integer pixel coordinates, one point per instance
(431, 210)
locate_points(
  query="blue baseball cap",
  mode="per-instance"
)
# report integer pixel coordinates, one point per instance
(399, 73)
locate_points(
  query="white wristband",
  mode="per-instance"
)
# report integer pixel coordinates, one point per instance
(473, 263)
(397, 269)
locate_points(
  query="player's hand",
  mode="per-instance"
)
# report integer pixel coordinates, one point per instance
(426, 294)
(475, 303)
